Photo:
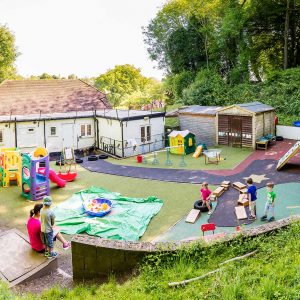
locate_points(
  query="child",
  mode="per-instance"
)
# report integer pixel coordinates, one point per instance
(252, 197)
(47, 223)
(270, 205)
(206, 192)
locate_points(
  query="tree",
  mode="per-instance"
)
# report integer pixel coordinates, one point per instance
(8, 54)
(120, 81)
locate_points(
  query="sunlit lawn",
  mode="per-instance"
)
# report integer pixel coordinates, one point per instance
(230, 158)
(178, 198)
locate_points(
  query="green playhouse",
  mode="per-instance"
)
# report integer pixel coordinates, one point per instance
(182, 142)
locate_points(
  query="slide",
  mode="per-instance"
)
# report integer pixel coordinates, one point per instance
(53, 177)
(198, 151)
(286, 157)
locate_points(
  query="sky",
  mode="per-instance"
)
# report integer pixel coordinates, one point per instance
(82, 37)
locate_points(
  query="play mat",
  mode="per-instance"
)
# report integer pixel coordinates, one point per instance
(128, 219)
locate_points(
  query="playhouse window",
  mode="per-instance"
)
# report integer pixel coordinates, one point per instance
(145, 133)
(1, 136)
(53, 130)
(190, 142)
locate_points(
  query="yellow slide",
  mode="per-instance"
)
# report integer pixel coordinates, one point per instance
(198, 152)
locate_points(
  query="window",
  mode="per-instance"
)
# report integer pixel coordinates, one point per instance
(190, 142)
(53, 130)
(145, 133)
(1, 136)
(82, 130)
(85, 130)
(89, 129)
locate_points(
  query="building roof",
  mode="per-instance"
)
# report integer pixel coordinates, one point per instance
(200, 110)
(26, 97)
(256, 107)
(122, 115)
(183, 133)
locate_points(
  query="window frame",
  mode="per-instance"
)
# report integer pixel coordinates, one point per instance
(147, 134)
(55, 131)
(87, 130)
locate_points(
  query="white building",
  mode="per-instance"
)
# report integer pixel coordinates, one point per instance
(55, 124)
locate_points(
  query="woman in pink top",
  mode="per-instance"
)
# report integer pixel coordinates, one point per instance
(205, 193)
(34, 231)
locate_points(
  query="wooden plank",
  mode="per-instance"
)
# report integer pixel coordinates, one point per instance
(240, 212)
(239, 186)
(243, 201)
(218, 191)
(193, 215)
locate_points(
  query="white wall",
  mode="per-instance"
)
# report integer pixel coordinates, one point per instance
(8, 132)
(132, 130)
(288, 132)
(55, 143)
(30, 135)
(112, 129)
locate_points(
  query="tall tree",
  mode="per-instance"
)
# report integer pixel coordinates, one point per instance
(120, 81)
(8, 54)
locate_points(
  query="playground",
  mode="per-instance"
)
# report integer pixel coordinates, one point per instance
(171, 193)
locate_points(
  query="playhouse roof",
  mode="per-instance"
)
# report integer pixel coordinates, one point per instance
(26, 97)
(183, 133)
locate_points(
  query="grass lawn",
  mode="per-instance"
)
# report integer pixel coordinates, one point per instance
(272, 273)
(230, 158)
(178, 198)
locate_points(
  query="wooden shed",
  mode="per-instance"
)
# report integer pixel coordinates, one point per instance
(241, 125)
(201, 120)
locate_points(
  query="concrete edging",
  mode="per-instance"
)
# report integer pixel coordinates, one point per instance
(94, 257)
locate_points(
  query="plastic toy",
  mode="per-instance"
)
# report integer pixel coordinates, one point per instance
(182, 142)
(297, 123)
(10, 166)
(98, 207)
(34, 185)
(69, 160)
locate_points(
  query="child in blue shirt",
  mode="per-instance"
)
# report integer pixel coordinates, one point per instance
(252, 197)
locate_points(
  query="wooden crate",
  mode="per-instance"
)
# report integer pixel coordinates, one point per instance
(218, 191)
(239, 186)
(244, 191)
(243, 200)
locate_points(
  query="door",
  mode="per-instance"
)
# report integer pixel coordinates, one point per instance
(68, 135)
(235, 133)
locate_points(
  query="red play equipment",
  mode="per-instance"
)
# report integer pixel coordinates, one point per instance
(68, 176)
(53, 176)
(208, 227)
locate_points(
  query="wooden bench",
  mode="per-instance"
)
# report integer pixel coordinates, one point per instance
(225, 185)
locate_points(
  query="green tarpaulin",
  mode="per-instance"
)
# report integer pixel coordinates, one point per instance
(128, 219)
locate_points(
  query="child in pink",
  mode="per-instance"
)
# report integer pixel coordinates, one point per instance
(205, 193)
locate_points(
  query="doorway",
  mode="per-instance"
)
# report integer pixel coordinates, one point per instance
(235, 131)
(68, 135)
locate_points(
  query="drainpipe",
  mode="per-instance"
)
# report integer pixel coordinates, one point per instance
(45, 142)
(122, 135)
(16, 136)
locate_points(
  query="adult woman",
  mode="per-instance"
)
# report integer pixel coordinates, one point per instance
(34, 231)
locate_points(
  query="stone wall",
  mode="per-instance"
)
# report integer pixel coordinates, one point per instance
(94, 257)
